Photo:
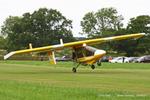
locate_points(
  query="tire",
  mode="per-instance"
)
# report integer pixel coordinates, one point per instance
(99, 63)
(74, 70)
(93, 67)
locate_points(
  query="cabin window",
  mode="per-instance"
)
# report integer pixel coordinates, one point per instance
(82, 52)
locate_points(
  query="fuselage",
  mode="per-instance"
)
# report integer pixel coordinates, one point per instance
(88, 55)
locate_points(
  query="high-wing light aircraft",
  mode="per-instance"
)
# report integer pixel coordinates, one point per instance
(82, 53)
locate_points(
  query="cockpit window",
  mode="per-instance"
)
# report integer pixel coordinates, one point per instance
(79, 52)
(83, 52)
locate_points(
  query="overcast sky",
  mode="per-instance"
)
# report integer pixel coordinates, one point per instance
(74, 9)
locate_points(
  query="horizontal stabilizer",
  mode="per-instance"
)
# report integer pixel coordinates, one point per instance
(52, 58)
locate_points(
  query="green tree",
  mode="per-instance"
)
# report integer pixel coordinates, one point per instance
(2, 42)
(140, 46)
(141, 24)
(102, 23)
(41, 28)
(10, 29)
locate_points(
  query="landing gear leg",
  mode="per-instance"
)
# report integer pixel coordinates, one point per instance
(99, 62)
(74, 69)
(92, 66)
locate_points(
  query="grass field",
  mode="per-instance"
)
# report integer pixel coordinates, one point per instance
(35, 80)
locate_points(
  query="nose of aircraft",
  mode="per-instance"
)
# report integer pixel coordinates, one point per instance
(100, 52)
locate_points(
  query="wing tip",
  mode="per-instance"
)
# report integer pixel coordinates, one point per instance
(143, 33)
(8, 55)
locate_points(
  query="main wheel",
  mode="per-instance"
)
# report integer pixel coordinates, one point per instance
(93, 67)
(74, 70)
(99, 63)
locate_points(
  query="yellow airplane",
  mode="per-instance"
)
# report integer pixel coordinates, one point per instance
(81, 52)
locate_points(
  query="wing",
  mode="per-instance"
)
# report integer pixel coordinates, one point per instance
(74, 44)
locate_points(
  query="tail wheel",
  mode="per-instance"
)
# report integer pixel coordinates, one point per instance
(93, 67)
(74, 69)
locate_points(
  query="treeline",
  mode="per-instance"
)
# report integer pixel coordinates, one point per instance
(107, 22)
(46, 26)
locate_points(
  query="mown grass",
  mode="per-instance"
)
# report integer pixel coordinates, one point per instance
(36, 80)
